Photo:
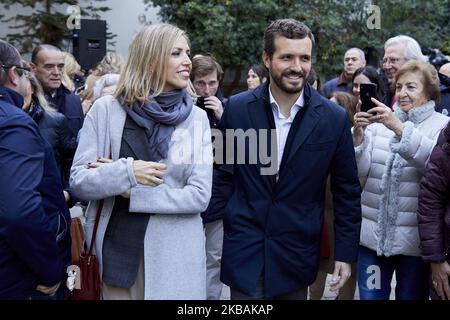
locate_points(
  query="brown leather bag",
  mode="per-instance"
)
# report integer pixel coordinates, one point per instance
(77, 235)
(89, 269)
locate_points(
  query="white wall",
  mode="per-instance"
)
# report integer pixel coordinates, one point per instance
(122, 19)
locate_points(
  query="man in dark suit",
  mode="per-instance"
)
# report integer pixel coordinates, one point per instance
(274, 216)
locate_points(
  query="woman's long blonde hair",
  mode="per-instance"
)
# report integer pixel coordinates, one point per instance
(71, 67)
(38, 92)
(145, 70)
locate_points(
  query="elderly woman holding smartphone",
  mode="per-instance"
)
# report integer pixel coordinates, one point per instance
(147, 152)
(392, 149)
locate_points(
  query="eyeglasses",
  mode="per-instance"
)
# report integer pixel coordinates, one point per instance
(20, 70)
(392, 61)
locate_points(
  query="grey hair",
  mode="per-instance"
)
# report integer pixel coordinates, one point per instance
(41, 47)
(412, 47)
(107, 80)
(362, 55)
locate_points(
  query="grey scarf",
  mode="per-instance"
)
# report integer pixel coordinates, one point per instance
(159, 117)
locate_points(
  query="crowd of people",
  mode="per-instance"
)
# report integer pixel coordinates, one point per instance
(359, 193)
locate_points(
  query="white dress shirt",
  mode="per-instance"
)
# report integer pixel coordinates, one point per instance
(283, 124)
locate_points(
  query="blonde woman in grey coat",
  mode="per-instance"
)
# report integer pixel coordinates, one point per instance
(392, 149)
(147, 152)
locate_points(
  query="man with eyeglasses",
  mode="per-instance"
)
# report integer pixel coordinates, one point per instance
(206, 76)
(354, 59)
(34, 218)
(48, 66)
(397, 51)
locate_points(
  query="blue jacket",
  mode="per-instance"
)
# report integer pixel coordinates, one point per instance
(336, 85)
(34, 219)
(273, 223)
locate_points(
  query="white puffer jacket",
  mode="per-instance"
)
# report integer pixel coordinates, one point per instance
(393, 168)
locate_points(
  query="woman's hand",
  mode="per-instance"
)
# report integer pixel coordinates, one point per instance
(440, 278)
(148, 172)
(384, 115)
(361, 121)
(98, 163)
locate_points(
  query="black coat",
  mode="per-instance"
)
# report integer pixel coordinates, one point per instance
(220, 191)
(54, 127)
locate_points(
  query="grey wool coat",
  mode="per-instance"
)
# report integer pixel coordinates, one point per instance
(174, 244)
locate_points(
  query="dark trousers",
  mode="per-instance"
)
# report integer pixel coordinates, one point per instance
(300, 294)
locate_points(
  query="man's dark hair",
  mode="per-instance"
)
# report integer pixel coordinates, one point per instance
(9, 56)
(41, 47)
(288, 28)
(204, 65)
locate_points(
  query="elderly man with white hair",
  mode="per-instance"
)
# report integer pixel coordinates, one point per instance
(397, 51)
(354, 58)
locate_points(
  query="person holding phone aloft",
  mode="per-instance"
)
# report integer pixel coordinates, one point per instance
(368, 75)
(392, 149)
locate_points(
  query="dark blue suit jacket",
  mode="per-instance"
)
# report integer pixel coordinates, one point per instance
(34, 218)
(273, 227)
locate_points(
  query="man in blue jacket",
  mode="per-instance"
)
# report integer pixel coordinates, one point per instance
(34, 219)
(273, 219)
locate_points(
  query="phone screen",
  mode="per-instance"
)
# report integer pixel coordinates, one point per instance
(366, 92)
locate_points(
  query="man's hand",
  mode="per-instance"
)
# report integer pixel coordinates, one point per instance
(440, 276)
(215, 105)
(342, 271)
(48, 290)
(66, 196)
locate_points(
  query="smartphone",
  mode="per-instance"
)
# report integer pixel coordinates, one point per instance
(200, 102)
(366, 92)
(209, 112)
